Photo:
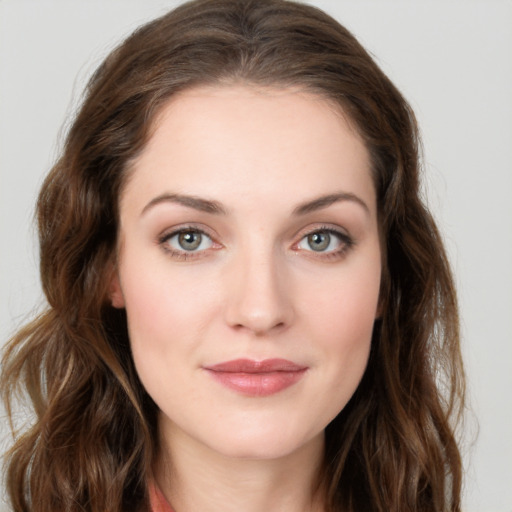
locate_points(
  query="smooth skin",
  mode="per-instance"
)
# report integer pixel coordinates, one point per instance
(248, 230)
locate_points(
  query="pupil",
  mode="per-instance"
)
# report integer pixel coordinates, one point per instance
(189, 240)
(319, 241)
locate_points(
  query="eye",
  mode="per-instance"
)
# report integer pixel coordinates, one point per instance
(325, 241)
(187, 240)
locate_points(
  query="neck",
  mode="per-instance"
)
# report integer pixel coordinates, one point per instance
(197, 477)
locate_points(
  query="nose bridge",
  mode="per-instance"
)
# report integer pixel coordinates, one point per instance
(259, 296)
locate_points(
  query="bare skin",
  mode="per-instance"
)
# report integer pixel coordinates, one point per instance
(248, 233)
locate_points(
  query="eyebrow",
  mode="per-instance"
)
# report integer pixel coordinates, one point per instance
(214, 207)
(327, 200)
(197, 203)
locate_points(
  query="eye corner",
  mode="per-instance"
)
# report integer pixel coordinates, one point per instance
(186, 242)
(331, 243)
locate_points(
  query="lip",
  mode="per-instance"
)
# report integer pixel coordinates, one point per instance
(257, 378)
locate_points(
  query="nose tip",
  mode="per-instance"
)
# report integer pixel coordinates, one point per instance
(257, 322)
(260, 300)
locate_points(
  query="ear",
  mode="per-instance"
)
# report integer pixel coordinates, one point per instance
(115, 292)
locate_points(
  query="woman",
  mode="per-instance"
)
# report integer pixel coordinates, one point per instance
(248, 303)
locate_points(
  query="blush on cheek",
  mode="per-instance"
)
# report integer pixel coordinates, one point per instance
(348, 320)
(161, 307)
(348, 317)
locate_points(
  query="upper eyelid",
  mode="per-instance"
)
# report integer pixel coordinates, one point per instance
(163, 241)
(331, 228)
(172, 231)
(346, 240)
(342, 236)
(297, 237)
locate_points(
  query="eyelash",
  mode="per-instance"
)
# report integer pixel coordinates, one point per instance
(346, 242)
(183, 255)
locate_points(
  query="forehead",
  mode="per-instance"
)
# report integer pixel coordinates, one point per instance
(232, 142)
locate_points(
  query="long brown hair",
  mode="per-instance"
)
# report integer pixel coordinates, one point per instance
(90, 447)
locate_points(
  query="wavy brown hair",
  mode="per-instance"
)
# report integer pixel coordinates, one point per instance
(90, 447)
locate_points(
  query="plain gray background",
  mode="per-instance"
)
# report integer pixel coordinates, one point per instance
(451, 59)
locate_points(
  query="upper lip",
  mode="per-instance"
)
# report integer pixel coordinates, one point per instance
(251, 366)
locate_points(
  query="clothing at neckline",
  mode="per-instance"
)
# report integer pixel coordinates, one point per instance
(157, 500)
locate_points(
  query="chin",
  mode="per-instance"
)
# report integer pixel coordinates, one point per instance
(263, 443)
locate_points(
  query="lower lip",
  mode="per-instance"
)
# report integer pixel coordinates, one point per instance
(258, 384)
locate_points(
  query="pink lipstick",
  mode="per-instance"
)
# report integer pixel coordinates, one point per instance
(257, 378)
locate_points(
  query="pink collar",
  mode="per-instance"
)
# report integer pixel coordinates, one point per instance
(157, 500)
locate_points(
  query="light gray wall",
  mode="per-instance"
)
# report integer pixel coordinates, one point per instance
(452, 60)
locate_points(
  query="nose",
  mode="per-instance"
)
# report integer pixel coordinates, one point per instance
(260, 296)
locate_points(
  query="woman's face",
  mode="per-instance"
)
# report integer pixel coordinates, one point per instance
(249, 266)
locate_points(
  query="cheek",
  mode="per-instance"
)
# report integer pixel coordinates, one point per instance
(157, 294)
(344, 303)
(345, 344)
(341, 316)
(167, 311)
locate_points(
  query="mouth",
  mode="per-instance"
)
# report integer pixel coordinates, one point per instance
(257, 378)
